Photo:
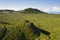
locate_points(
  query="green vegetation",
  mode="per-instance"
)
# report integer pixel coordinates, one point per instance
(14, 27)
(32, 11)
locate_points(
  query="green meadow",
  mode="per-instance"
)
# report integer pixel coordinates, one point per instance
(14, 27)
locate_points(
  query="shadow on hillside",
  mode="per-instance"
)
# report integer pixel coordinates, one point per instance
(3, 33)
(5, 23)
(3, 30)
(37, 30)
(22, 36)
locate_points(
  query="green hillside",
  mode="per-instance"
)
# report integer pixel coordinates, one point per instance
(13, 26)
(32, 11)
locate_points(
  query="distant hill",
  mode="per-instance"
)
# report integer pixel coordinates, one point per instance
(6, 11)
(32, 10)
(56, 12)
(26, 11)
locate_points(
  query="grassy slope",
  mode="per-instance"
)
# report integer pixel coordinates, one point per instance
(47, 22)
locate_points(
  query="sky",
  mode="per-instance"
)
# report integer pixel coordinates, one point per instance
(43, 5)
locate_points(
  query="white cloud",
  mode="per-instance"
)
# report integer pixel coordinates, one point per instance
(53, 9)
(46, 9)
(56, 9)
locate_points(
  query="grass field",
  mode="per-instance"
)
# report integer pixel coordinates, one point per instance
(17, 26)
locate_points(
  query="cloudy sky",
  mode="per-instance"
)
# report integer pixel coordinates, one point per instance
(44, 5)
